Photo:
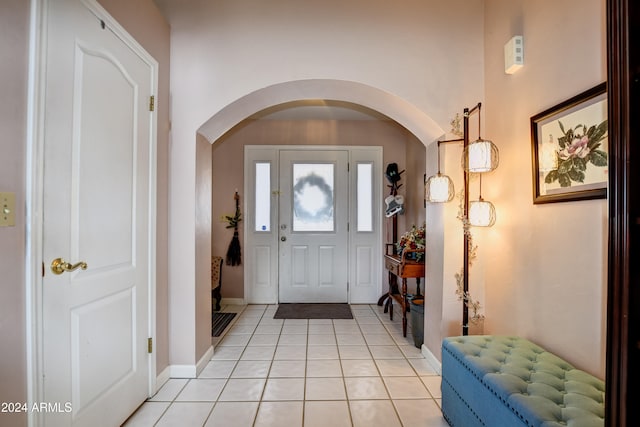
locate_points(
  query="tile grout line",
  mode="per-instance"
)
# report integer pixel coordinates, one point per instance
(255, 417)
(344, 382)
(384, 384)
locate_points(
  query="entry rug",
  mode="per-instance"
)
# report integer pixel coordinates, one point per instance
(313, 311)
(219, 321)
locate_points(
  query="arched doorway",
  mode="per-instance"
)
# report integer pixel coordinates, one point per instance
(191, 249)
(243, 132)
(396, 108)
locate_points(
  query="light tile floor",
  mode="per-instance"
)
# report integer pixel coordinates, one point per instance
(289, 373)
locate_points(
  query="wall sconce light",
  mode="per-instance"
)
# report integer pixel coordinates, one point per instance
(481, 212)
(439, 187)
(480, 155)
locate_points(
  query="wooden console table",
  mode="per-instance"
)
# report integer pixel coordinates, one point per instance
(404, 268)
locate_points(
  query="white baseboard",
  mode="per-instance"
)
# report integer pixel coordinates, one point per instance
(431, 359)
(182, 371)
(204, 360)
(162, 378)
(232, 301)
(191, 371)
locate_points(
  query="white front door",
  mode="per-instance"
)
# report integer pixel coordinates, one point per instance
(313, 226)
(98, 155)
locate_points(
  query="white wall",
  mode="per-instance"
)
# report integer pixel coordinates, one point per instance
(222, 51)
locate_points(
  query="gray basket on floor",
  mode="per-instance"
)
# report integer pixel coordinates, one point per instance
(417, 320)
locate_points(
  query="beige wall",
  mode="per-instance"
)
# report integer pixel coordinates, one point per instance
(435, 259)
(228, 170)
(14, 48)
(203, 247)
(413, 181)
(545, 264)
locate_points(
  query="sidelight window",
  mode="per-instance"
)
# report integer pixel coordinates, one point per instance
(263, 196)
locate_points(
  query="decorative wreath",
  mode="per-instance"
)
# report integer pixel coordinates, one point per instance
(313, 180)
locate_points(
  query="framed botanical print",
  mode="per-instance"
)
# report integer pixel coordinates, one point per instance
(570, 151)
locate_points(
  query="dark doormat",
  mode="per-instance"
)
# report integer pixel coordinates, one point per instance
(219, 321)
(313, 311)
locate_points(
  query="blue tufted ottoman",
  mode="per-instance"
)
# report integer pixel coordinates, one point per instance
(498, 381)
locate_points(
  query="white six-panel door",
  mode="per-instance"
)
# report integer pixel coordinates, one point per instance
(98, 145)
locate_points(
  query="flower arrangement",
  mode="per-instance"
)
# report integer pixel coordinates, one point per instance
(413, 240)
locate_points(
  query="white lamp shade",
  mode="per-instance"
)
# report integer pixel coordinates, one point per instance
(439, 189)
(482, 213)
(480, 156)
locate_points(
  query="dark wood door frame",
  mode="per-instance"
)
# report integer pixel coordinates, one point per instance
(623, 300)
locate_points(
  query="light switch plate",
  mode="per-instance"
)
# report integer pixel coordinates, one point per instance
(7, 209)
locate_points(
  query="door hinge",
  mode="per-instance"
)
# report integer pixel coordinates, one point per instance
(42, 268)
(150, 345)
(152, 103)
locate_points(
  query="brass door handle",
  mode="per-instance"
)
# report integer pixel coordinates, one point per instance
(59, 266)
